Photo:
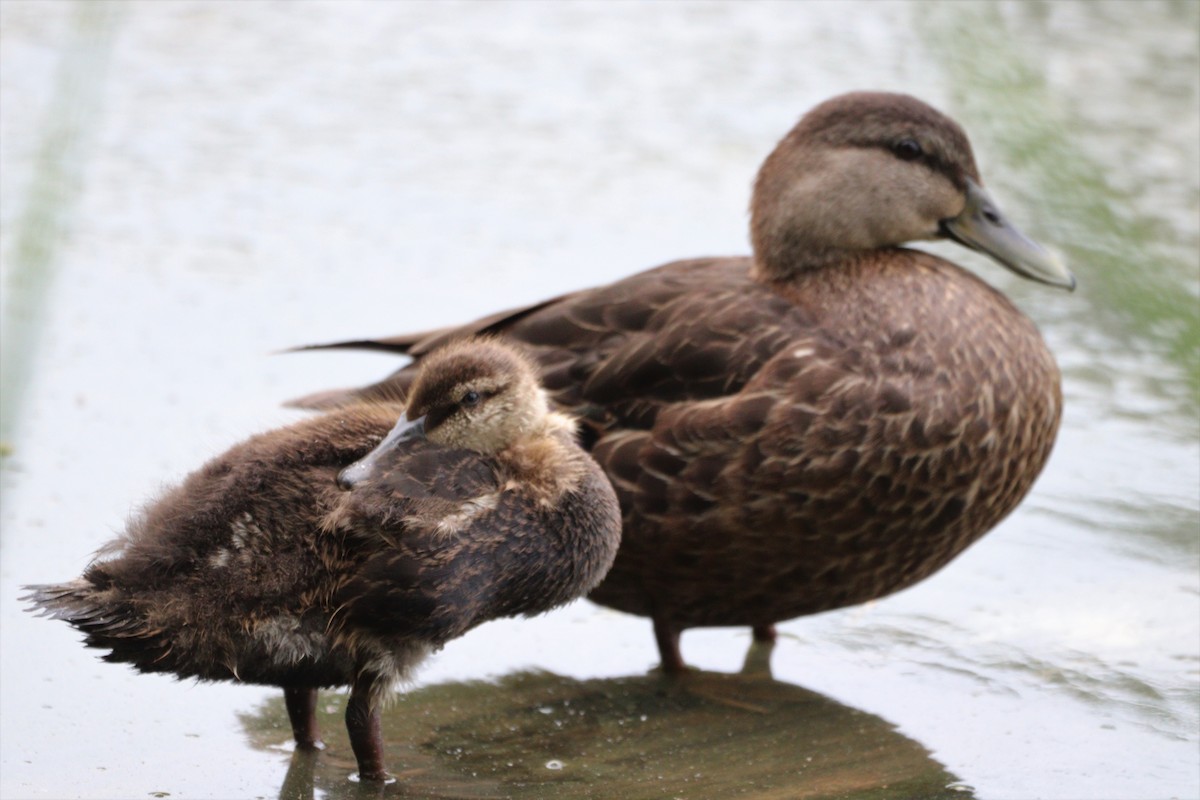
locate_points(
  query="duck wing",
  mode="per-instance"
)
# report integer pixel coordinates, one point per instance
(616, 355)
(394, 388)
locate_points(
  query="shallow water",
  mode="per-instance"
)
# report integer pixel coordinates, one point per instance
(188, 187)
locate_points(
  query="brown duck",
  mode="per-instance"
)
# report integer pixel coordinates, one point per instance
(825, 422)
(478, 504)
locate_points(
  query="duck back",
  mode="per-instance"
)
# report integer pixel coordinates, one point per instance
(911, 409)
(782, 448)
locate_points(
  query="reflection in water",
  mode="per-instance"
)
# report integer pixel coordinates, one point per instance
(534, 734)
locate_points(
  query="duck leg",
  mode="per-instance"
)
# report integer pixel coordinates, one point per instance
(764, 633)
(758, 656)
(301, 705)
(667, 637)
(362, 723)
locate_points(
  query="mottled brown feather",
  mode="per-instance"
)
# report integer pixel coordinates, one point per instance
(824, 423)
(258, 568)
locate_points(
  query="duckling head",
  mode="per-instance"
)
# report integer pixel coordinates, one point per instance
(476, 394)
(871, 170)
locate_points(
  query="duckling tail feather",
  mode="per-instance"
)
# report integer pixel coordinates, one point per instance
(60, 600)
(107, 625)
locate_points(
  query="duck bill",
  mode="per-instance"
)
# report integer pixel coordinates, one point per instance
(981, 226)
(405, 430)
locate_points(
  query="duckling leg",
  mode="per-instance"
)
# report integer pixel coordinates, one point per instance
(667, 637)
(302, 711)
(362, 723)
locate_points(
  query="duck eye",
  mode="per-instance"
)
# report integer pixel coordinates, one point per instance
(470, 398)
(907, 149)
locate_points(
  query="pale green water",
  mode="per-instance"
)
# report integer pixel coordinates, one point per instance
(187, 187)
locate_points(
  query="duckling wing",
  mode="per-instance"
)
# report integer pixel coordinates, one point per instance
(422, 527)
(422, 470)
(414, 489)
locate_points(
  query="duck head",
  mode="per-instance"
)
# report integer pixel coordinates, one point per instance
(871, 170)
(476, 394)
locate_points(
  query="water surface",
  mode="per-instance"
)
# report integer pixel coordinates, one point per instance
(188, 187)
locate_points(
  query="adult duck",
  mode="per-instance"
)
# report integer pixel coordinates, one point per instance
(335, 552)
(823, 423)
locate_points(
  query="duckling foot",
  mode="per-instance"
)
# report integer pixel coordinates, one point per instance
(302, 711)
(366, 739)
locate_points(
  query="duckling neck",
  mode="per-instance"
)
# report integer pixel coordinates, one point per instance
(543, 462)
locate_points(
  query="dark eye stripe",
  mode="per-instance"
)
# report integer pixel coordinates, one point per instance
(930, 158)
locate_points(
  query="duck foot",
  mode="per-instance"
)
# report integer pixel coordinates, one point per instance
(667, 637)
(366, 738)
(302, 711)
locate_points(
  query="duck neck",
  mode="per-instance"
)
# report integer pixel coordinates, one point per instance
(797, 224)
(787, 259)
(815, 206)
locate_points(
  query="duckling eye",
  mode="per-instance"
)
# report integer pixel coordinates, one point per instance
(907, 149)
(470, 398)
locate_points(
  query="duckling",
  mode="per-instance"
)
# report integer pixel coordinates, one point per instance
(825, 422)
(336, 552)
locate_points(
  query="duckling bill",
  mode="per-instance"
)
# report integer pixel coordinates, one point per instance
(826, 421)
(336, 553)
